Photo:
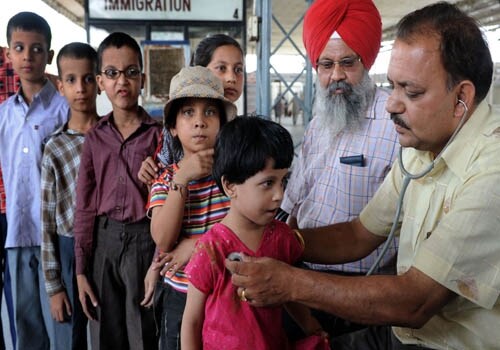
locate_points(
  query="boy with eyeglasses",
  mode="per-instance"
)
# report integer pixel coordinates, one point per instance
(113, 244)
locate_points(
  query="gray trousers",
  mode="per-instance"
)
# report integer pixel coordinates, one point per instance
(123, 254)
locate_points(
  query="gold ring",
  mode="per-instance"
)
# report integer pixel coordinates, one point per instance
(243, 297)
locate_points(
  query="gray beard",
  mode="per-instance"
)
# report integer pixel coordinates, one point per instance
(338, 112)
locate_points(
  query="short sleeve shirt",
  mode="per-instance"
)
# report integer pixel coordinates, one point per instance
(228, 319)
(205, 206)
(450, 222)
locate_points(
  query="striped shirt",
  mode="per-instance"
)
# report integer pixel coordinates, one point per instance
(324, 191)
(205, 206)
(60, 163)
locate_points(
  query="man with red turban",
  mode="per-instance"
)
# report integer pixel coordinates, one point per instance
(356, 22)
(350, 143)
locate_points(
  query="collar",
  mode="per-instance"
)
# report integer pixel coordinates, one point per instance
(60, 130)
(64, 129)
(45, 95)
(146, 119)
(457, 156)
(376, 107)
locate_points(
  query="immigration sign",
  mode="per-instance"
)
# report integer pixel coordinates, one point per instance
(175, 10)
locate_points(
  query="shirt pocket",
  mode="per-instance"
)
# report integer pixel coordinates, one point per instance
(135, 162)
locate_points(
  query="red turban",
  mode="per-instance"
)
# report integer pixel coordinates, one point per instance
(356, 21)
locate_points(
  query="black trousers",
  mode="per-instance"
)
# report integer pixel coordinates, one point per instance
(371, 338)
(169, 304)
(123, 254)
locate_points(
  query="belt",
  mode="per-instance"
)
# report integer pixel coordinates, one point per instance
(105, 221)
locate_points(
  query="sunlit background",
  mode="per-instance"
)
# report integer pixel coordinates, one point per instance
(65, 31)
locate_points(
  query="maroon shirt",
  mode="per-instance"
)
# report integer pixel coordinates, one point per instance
(107, 179)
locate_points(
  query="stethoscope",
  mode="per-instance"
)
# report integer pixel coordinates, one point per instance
(406, 180)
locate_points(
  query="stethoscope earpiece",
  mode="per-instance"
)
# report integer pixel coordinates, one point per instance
(463, 104)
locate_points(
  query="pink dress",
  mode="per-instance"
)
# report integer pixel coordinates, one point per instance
(229, 322)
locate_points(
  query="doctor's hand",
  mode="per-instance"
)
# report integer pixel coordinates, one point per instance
(262, 281)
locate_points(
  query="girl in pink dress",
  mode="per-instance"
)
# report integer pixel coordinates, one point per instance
(251, 162)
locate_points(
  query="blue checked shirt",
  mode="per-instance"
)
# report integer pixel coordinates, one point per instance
(323, 191)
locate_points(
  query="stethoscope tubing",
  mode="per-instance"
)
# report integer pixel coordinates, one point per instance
(406, 181)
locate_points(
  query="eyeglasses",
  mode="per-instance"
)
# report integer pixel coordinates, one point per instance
(345, 63)
(113, 73)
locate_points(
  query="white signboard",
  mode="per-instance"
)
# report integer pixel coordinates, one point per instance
(174, 10)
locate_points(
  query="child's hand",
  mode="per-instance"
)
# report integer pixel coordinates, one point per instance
(178, 257)
(149, 285)
(159, 260)
(60, 306)
(148, 171)
(85, 294)
(195, 166)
